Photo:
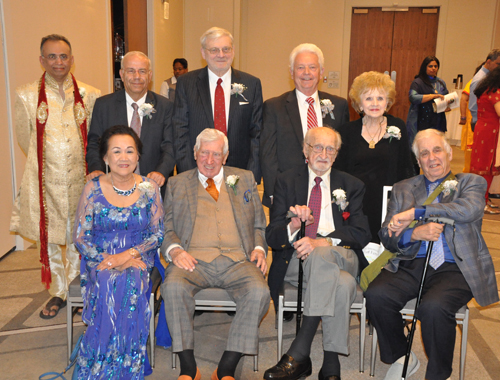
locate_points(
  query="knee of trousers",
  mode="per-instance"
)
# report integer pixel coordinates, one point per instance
(259, 293)
(172, 288)
(434, 310)
(378, 298)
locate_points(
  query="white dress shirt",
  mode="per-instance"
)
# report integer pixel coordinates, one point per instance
(226, 86)
(130, 109)
(304, 107)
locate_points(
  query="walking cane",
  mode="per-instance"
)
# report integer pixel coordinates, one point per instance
(450, 222)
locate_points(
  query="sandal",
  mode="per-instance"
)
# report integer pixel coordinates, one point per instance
(53, 306)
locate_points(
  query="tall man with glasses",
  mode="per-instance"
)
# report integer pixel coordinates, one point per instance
(330, 202)
(219, 97)
(52, 118)
(146, 112)
(288, 117)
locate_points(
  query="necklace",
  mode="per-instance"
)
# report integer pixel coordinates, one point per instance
(125, 193)
(372, 142)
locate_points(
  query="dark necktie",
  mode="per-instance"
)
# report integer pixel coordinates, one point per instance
(437, 256)
(212, 189)
(312, 120)
(315, 206)
(220, 109)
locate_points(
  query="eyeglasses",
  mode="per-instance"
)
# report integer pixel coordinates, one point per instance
(215, 51)
(53, 57)
(318, 148)
(142, 72)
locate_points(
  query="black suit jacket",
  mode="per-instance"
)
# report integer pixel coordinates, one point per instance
(282, 136)
(156, 133)
(291, 189)
(193, 113)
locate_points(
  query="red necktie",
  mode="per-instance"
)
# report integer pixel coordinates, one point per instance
(312, 120)
(212, 189)
(220, 109)
(315, 206)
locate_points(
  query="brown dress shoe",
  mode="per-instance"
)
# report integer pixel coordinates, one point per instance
(186, 377)
(215, 377)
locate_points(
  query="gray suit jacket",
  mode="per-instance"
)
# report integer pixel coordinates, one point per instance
(193, 113)
(156, 133)
(282, 137)
(181, 201)
(465, 207)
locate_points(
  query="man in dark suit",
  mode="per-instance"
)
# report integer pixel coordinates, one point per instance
(287, 117)
(237, 102)
(336, 232)
(460, 265)
(148, 113)
(214, 237)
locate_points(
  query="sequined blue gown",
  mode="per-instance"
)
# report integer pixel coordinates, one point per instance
(116, 307)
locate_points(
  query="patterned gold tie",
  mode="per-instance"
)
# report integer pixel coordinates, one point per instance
(212, 189)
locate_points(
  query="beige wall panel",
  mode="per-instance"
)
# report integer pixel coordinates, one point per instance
(168, 40)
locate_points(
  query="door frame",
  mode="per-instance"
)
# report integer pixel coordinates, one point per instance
(346, 42)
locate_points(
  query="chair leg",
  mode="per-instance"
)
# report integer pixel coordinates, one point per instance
(174, 359)
(362, 337)
(280, 326)
(373, 353)
(69, 326)
(152, 329)
(256, 363)
(463, 348)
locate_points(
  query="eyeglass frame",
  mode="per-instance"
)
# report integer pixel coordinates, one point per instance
(316, 147)
(62, 57)
(216, 50)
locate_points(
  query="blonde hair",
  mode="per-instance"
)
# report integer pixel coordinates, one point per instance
(369, 81)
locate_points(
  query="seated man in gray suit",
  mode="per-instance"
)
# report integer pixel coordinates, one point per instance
(147, 113)
(288, 117)
(336, 232)
(214, 237)
(460, 266)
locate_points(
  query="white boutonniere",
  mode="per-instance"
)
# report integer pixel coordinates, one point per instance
(340, 199)
(147, 109)
(391, 132)
(449, 186)
(232, 181)
(147, 188)
(237, 89)
(327, 107)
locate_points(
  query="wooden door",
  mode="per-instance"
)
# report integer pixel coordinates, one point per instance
(392, 41)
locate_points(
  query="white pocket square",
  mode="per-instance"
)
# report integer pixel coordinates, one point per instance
(243, 103)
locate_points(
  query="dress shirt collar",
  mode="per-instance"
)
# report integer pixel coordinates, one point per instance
(218, 179)
(140, 102)
(301, 98)
(173, 80)
(226, 78)
(325, 177)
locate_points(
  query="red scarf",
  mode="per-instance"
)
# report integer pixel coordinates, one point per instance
(42, 114)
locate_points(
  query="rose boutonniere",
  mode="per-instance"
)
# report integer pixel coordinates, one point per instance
(232, 181)
(392, 132)
(340, 199)
(147, 109)
(237, 89)
(449, 186)
(346, 215)
(147, 188)
(327, 107)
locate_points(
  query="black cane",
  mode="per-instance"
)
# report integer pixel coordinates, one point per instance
(420, 291)
(301, 279)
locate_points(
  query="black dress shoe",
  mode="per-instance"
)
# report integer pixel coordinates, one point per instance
(289, 369)
(333, 377)
(287, 316)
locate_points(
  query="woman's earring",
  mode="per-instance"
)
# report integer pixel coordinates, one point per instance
(107, 167)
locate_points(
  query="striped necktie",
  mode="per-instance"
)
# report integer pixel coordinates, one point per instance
(312, 120)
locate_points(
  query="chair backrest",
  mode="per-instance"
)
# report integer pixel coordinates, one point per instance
(385, 200)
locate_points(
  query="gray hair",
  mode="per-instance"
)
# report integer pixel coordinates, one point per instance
(427, 133)
(214, 33)
(311, 132)
(493, 55)
(309, 48)
(54, 37)
(209, 135)
(139, 53)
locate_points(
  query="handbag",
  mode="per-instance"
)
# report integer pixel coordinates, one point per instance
(72, 361)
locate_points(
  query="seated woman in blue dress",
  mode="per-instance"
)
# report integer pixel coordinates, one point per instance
(117, 233)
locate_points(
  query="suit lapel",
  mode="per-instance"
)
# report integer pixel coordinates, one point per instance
(336, 183)
(234, 102)
(146, 121)
(121, 109)
(302, 186)
(237, 204)
(419, 191)
(327, 118)
(204, 95)
(292, 108)
(192, 196)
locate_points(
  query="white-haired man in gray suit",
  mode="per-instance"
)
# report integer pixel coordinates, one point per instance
(460, 265)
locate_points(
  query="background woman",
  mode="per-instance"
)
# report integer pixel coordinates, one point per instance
(424, 89)
(374, 148)
(484, 149)
(117, 233)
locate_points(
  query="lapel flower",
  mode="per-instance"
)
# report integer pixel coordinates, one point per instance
(391, 132)
(147, 188)
(449, 187)
(340, 199)
(237, 89)
(147, 109)
(232, 181)
(327, 107)
(346, 215)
